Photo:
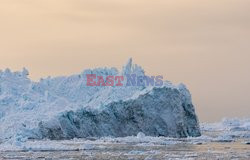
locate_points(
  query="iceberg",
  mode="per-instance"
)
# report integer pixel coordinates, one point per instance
(229, 128)
(65, 108)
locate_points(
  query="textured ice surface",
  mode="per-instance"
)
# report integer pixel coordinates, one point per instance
(132, 147)
(229, 129)
(211, 145)
(159, 112)
(64, 107)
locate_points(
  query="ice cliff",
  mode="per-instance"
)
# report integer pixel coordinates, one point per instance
(64, 107)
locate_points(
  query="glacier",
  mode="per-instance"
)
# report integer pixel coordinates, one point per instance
(65, 108)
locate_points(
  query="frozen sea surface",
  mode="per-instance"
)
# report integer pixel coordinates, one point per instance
(218, 141)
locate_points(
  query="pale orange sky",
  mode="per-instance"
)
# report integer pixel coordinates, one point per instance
(204, 44)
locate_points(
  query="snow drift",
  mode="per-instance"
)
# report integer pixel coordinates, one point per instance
(64, 107)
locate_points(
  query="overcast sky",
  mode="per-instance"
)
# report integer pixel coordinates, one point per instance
(204, 44)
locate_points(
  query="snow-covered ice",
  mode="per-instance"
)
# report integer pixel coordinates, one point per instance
(128, 122)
